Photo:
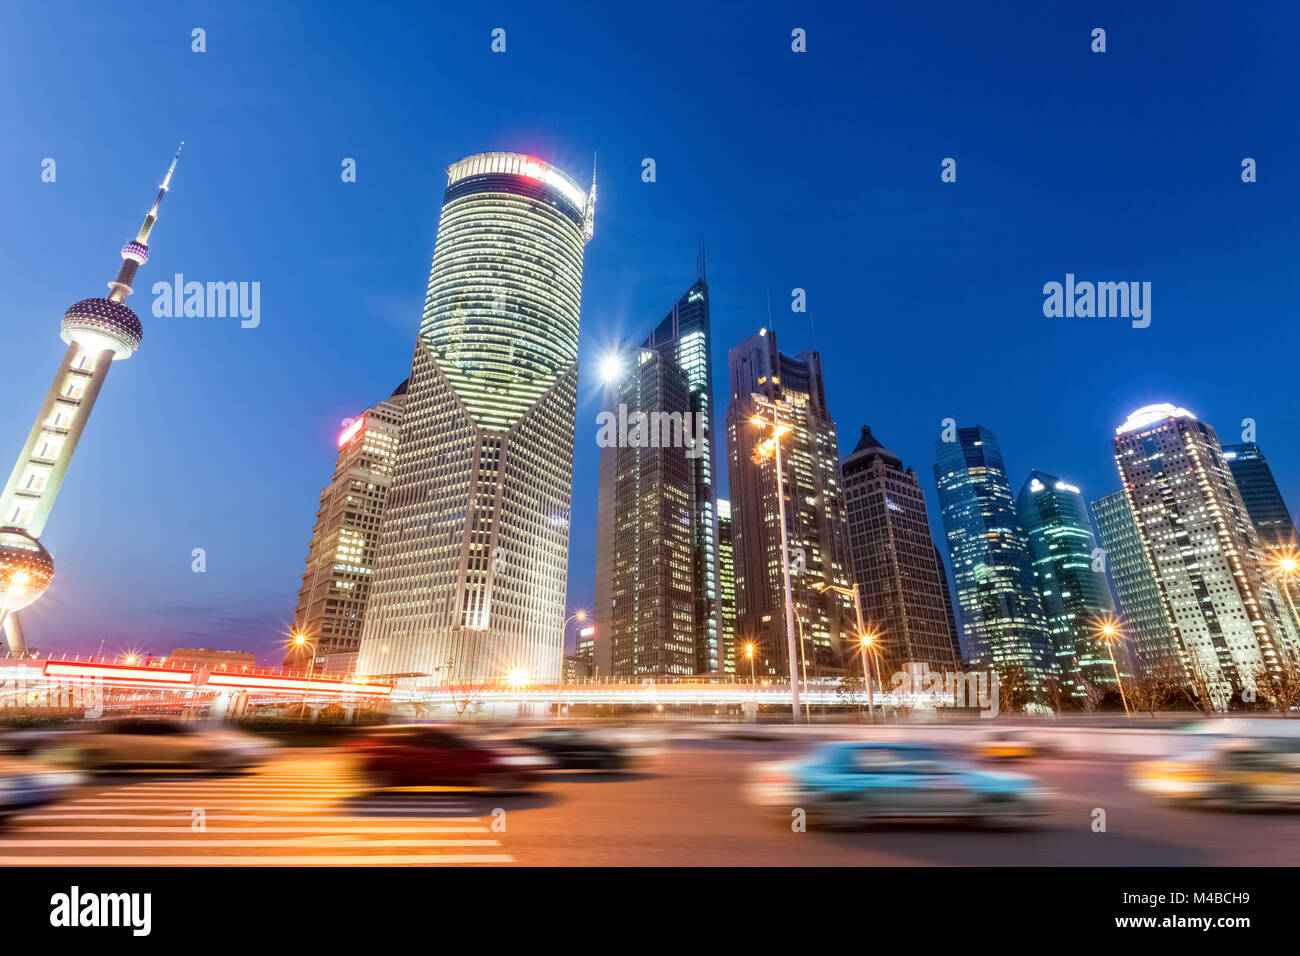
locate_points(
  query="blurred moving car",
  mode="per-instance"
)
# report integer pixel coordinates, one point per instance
(571, 748)
(431, 755)
(24, 787)
(1236, 773)
(847, 783)
(1008, 745)
(148, 742)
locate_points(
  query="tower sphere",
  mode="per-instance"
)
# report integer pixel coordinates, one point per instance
(98, 324)
(25, 569)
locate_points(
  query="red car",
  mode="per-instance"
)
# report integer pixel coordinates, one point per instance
(423, 755)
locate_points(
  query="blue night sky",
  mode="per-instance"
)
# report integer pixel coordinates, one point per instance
(817, 170)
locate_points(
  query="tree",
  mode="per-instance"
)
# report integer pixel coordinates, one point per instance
(1093, 695)
(1014, 687)
(1279, 688)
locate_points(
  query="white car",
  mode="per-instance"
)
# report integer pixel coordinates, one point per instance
(146, 742)
(23, 787)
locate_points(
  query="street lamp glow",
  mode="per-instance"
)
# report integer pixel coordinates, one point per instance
(517, 677)
(1109, 632)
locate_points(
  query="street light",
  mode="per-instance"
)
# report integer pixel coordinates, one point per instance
(772, 446)
(579, 615)
(1286, 565)
(867, 639)
(300, 641)
(1108, 631)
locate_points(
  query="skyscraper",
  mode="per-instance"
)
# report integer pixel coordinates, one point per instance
(341, 558)
(473, 551)
(683, 336)
(1141, 608)
(1001, 613)
(98, 333)
(814, 509)
(895, 563)
(727, 581)
(1227, 615)
(1259, 492)
(645, 591)
(1075, 597)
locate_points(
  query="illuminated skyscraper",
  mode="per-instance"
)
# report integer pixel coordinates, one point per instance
(473, 552)
(1001, 613)
(1268, 512)
(1226, 613)
(645, 585)
(1075, 597)
(1144, 624)
(814, 510)
(98, 332)
(344, 542)
(727, 584)
(895, 564)
(683, 336)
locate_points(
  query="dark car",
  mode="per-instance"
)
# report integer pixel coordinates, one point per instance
(573, 749)
(423, 755)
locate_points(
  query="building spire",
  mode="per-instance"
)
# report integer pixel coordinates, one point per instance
(700, 262)
(589, 223)
(143, 236)
(136, 252)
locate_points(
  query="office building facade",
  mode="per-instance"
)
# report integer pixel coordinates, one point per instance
(1001, 614)
(895, 563)
(473, 554)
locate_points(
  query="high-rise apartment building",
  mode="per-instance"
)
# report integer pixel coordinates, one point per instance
(814, 509)
(684, 338)
(1143, 623)
(345, 539)
(98, 332)
(473, 552)
(1076, 598)
(1227, 615)
(1001, 613)
(727, 580)
(645, 585)
(895, 563)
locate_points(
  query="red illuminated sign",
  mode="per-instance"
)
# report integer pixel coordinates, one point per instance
(352, 431)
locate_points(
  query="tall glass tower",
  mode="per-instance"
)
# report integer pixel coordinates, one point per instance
(1259, 491)
(98, 333)
(683, 337)
(1001, 613)
(1226, 611)
(1075, 597)
(469, 581)
(1145, 626)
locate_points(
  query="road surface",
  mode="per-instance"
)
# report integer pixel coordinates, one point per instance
(683, 807)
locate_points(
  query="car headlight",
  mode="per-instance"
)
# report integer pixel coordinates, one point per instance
(519, 760)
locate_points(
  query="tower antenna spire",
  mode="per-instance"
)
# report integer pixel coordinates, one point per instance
(143, 236)
(136, 252)
(700, 264)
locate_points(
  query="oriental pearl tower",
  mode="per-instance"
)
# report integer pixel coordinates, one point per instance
(98, 333)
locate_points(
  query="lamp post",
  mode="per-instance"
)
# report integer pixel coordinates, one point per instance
(1109, 632)
(772, 446)
(300, 641)
(579, 615)
(1287, 567)
(867, 639)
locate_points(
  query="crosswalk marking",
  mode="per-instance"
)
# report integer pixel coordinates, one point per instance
(300, 818)
(358, 859)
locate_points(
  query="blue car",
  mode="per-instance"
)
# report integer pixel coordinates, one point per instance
(24, 787)
(849, 783)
